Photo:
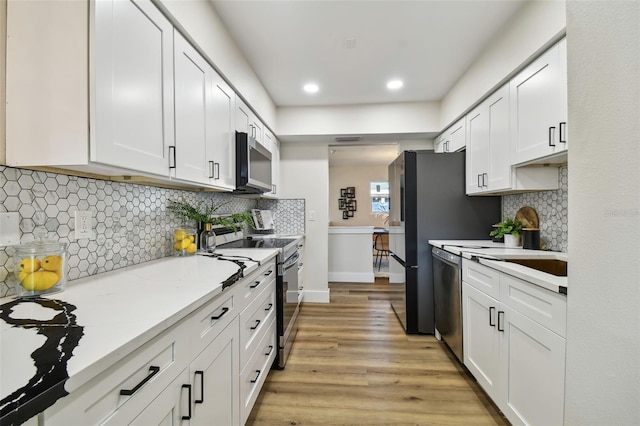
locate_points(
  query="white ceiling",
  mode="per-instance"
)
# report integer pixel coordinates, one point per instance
(427, 43)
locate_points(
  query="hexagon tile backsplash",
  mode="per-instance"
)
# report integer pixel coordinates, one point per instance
(130, 222)
(552, 208)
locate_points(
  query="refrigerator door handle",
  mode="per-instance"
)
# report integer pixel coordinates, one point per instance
(400, 261)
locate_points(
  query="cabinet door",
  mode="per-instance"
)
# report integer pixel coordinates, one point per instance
(457, 138)
(439, 144)
(243, 114)
(215, 376)
(169, 408)
(535, 108)
(499, 145)
(275, 168)
(193, 80)
(133, 86)
(481, 340)
(563, 137)
(221, 150)
(477, 153)
(533, 363)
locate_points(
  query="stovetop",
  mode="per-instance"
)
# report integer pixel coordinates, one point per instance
(262, 243)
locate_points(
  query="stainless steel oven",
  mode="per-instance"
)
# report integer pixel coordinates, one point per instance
(287, 294)
(288, 290)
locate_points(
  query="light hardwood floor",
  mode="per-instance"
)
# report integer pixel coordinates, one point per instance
(352, 363)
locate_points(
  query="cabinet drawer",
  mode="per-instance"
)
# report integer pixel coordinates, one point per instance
(254, 374)
(255, 320)
(255, 283)
(143, 374)
(481, 277)
(212, 318)
(543, 306)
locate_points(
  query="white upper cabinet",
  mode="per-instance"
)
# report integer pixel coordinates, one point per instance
(193, 113)
(488, 148)
(247, 121)
(133, 86)
(538, 96)
(98, 82)
(453, 139)
(275, 168)
(222, 150)
(204, 120)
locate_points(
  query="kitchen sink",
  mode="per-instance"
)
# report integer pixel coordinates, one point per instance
(550, 266)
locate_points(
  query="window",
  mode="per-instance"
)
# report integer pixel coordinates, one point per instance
(379, 191)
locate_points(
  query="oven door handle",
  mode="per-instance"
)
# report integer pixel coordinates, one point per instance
(291, 261)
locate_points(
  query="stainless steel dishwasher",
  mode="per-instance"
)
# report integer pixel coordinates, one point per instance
(447, 294)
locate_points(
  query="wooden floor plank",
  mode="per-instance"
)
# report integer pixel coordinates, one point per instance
(353, 364)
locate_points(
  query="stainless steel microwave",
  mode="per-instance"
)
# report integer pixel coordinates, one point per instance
(253, 166)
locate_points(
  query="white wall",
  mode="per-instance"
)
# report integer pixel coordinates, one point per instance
(304, 173)
(202, 23)
(529, 33)
(3, 37)
(410, 117)
(359, 177)
(603, 331)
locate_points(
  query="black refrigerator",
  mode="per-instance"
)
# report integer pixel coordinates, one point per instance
(428, 201)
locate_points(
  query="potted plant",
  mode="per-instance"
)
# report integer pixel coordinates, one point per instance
(509, 229)
(205, 213)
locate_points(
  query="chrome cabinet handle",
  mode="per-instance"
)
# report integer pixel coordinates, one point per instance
(153, 370)
(484, 183)
(492, 322)
(479, 184)
(551, 132)
(500, 322)
(211, 167)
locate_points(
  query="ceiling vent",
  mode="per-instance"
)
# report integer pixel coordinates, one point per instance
(349, 43)
(348, 138)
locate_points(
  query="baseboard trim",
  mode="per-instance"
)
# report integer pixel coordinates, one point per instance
(352, 277)
(316, 296)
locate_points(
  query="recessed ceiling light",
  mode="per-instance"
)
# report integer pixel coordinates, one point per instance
(311, 88)
(394, 84)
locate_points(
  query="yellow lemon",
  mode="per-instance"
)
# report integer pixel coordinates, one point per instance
(29, 264)
(191, 238)
(179, 235)
(191, 248)
(40, 280)
(182, 244)
(22, 275)
(52, 263)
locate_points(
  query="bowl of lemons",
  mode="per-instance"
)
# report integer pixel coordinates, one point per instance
(41, 267)
(184, 241)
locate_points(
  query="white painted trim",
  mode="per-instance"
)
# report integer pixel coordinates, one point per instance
(316, 296)
(351, 277)
(351, 229)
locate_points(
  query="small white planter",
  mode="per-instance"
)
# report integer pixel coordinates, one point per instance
(511, 240)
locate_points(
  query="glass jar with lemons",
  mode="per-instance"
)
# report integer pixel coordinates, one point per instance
(41, 267)
(184, 241)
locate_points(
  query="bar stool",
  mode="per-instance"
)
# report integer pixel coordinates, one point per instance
(381, 247)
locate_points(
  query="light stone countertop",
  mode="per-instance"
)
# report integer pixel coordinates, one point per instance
(494, 255)
(118, 311)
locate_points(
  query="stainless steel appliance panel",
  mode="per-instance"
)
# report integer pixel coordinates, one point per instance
(447, 291)
(287, 294)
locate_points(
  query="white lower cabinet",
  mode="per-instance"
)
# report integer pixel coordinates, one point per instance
(192, 373)
(215, 376)
(171, 407)
(517, 360)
